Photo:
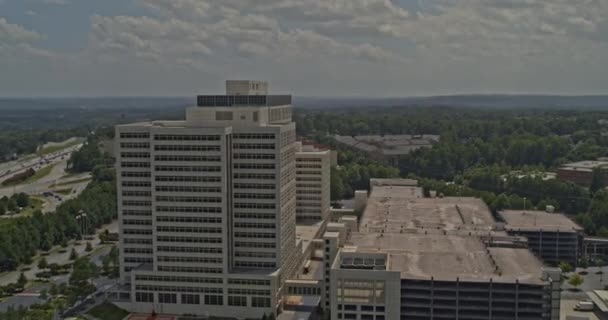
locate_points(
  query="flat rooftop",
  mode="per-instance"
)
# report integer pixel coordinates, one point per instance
(447, 257)
(537, 220)
(587, 165)
(396, 208)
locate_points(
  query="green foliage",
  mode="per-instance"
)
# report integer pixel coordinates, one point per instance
(110, 263)
(21, 237)
(565, 267)
(88, 247)
(576, 280)
(108, 311)
(42, 263)
(73, 254)
(19, 177)
(22, 281)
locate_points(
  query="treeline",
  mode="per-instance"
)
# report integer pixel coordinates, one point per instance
(20, 238)
(12, 204)
(20, 142)
(89, 156)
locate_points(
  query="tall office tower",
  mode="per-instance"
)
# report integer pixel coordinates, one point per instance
(207, 206)
(313, 169)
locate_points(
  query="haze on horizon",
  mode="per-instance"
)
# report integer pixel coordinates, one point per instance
(306, 47)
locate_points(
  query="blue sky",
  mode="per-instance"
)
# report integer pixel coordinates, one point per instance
(309, 47)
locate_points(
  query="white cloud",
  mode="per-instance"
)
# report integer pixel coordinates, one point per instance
(13, 33)
(343, 46)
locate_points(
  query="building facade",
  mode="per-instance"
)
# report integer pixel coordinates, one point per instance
(313, 170)
(207, 206)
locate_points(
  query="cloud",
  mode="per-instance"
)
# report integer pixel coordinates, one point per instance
(13, 33)
(338, 47)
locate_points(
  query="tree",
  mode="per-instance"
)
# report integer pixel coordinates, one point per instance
(565, 267)
(42, 263)
(73, 254)
(576, 280)
(2, 209)
(89, 247)
(22, 200)
(44, 294)
(22, 281)
(598, 179)
(12, 205)
(53, 291)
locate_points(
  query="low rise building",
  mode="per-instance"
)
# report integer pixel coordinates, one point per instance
(580, 172)
(552, 236)
(443, 258)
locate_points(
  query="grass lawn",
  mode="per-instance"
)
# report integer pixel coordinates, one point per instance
(35, 204)
(64, 192)
(67, 183)
(40, 174)
(108, 311)
(55, 148)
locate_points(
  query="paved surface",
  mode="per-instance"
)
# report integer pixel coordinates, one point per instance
(592, 281)
(567, 309)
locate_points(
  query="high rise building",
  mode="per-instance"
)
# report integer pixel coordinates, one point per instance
(207, 206)
(313, 169)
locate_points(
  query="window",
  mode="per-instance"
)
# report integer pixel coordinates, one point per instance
(185, 148)
(188, 229)
(188, 249)
(214, 300)
(134, 135)
(189, 199)
(188, 168)
(189, 269)
(187, 158)
(249, 282)
(181, 137)
(191, 299)
(259, 302)
(144, 297)
(187, 179)
(188, 209)
(176, 279)
(188, 239)
(238, 301)
(135, 145)
(167, 298)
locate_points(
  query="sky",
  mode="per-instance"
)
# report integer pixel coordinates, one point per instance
(305, 47)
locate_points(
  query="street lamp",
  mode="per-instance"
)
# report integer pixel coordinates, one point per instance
(82, 219)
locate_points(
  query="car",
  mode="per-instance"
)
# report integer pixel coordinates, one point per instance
(584, 306)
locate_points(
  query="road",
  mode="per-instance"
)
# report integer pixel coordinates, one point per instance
(8, 169)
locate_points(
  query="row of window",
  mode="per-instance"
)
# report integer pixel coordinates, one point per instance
(249, 292)
(188, 219)
(308, 160)
(131, 174)
(189, 199)
(134, 135)
(135, 145)
(308, 191)
(187, 158)
(188, 189)
(188, 239)
(246, 205)
(249, 282)
(265, 245)
(126, 164)
(136, 203)
(186, 148)
(308, 198)
(253, 136)
(137, 231)
(256, 176)
(317, 173)
(133, 222)
(188, 168)
(254, 146)
(189, 259)
(189, 209)
(142, 184)
(187, 179)
(189, 269)
(137, 241)
(254, 166)
(256, 235)
(138, 250)
(141, 213)
(254, 186)
(188, 249)
(251, 225)
(183, 137)
(249, 215)
(138, 155)
(247, 254)
(136, 194)
(178, 279)
(254, 196)
(137, 260)
(145, 287)
(254, 156)
(310, 166)
(308, 179)
(188, 229)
